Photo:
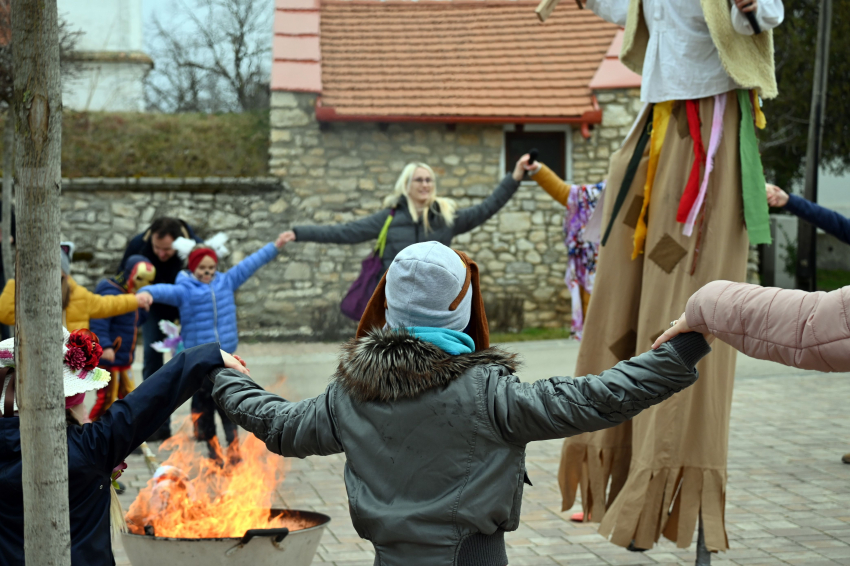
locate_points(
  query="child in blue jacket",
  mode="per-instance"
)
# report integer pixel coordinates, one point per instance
(207, 308)
(118, 334)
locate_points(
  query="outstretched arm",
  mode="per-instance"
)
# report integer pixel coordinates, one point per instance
(349, 233)
(304, 428)
(824, 218)
(552, 184)
(560, 406)
(240, 273)
(133, 419)
(166, 293)
(791, 327)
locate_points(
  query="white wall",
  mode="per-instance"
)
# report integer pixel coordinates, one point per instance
(109, 87)
(108, 26)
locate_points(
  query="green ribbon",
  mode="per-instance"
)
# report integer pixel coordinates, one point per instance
(752, 176)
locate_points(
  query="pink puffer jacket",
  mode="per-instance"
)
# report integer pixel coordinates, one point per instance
(793, 328)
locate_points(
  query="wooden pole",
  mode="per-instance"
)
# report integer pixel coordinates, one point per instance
(807, 233)
(37, 108)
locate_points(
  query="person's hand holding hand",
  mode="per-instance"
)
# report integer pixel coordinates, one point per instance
(235, 362)
(284, 238)
(521, 167)
(108, 355)
(145, 300)
(776, 197)
(681, 327)
(747, 5)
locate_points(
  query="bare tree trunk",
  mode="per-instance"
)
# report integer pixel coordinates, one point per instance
(37, 107)
(6, 219)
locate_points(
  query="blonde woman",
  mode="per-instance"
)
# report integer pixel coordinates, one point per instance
(420, 215)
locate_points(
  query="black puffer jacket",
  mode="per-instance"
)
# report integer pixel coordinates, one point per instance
(404, 231)
(435, 444)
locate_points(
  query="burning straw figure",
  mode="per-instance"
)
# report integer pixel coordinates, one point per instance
(686, 193)
(434, 423)
(96, 451)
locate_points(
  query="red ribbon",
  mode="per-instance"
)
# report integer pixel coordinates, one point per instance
(692, 188)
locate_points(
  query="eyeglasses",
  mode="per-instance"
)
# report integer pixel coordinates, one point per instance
(423, 180)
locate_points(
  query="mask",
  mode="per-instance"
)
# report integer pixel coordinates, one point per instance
(142, 275)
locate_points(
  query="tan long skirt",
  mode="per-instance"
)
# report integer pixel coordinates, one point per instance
(669, 463)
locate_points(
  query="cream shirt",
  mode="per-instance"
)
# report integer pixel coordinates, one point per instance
(681, 61)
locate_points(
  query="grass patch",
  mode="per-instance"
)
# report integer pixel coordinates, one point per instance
(832, 279)
(136, 144)
(529, 334)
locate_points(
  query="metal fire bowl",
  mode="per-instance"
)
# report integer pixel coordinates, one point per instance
(264, 548)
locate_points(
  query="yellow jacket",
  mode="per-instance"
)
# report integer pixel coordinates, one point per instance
(552, 184)
(82, 306)
(748, 59)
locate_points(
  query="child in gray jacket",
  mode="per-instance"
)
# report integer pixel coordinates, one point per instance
(433, 421)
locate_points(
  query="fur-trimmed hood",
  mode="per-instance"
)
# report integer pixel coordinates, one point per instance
(387, 365)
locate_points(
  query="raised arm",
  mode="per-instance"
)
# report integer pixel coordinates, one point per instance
(791, 327)
(474, 216)
(552, 184)
(561, 406)
(354, 232)
(240, 272)
(301, 429)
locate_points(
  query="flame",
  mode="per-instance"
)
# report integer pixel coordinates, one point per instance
(193, 496)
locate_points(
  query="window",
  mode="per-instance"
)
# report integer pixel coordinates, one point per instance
(551, 142)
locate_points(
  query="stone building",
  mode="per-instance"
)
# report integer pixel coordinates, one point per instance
(359, 89)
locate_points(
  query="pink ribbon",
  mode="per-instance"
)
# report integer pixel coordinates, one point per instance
(713, 144)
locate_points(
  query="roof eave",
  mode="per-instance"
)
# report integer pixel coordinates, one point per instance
(329, 114)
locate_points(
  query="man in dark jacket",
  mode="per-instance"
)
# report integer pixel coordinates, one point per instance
(434, 423)
(157, 245)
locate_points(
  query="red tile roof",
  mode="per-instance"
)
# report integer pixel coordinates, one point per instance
(464, 60)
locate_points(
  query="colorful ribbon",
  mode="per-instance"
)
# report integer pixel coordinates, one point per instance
(713, 144)
(660, 119)
(752, 176)
(760, 120)
(692, 187)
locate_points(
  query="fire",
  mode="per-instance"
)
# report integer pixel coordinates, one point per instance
(193, 496)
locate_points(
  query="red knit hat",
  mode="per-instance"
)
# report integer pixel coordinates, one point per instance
(197, 255)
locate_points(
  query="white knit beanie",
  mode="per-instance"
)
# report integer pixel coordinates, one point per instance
(422, 282)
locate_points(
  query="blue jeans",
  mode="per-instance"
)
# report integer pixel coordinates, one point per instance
(153, 362)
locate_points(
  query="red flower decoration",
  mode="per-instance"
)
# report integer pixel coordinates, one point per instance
(84, 350)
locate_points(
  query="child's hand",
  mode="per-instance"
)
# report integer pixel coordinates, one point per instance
(108, 354)
(747, 5)
(232, 362)
(284, 238)
(145, 300)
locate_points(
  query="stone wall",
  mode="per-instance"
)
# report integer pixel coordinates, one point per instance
(101, 215)
(342, 171)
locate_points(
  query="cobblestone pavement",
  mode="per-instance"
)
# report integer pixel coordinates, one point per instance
(788, 496)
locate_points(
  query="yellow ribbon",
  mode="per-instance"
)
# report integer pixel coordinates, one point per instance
(760, 120)
(660, 118)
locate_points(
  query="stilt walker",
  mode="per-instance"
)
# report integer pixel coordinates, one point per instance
(686, 194)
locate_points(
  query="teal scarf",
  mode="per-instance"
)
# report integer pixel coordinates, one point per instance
(450, 341)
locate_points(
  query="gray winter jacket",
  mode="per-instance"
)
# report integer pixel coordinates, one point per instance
(403, 230)
(435, 444)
